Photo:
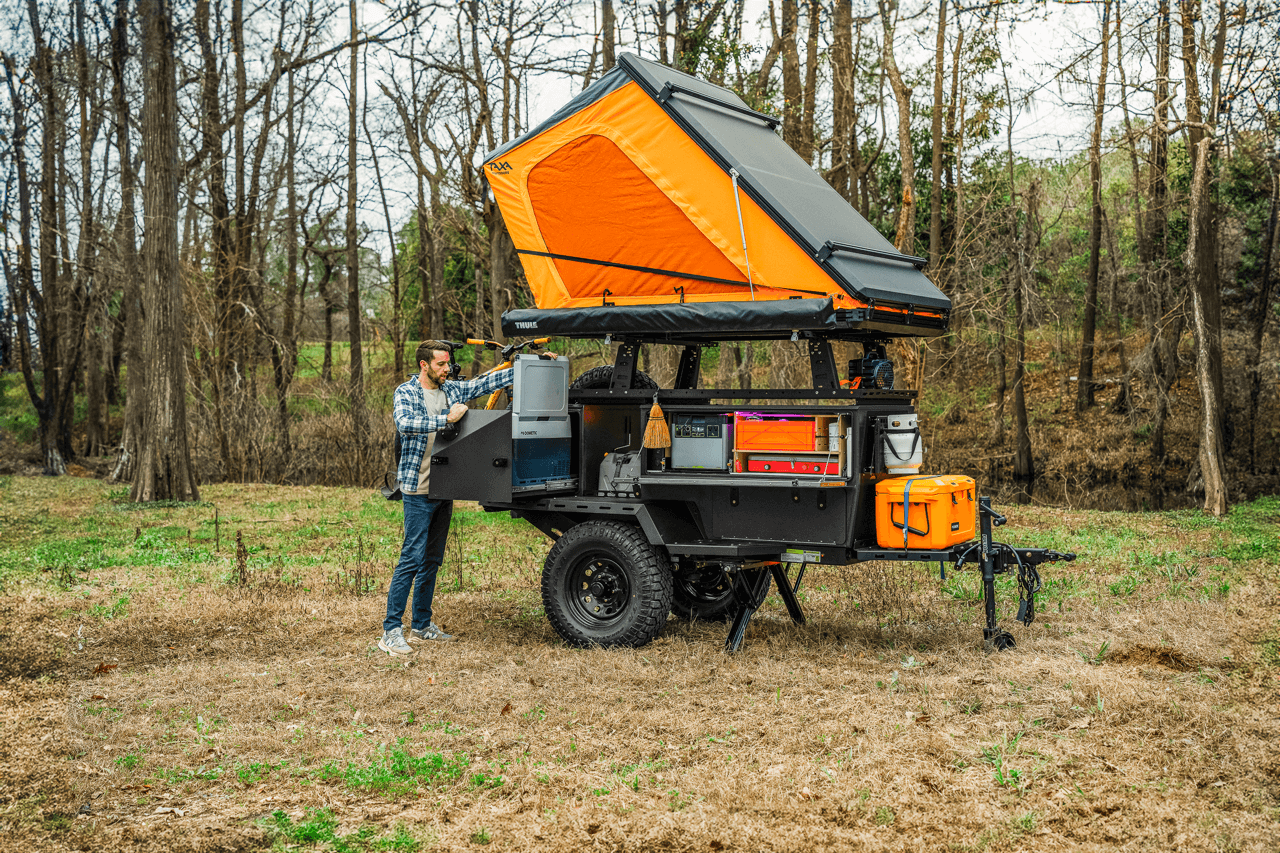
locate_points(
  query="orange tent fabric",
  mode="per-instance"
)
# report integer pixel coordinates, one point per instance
(617, 183)
(614, 202)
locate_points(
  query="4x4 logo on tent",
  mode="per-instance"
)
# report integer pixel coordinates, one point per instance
(501, 167)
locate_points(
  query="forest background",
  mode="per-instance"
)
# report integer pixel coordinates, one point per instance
(224, 228)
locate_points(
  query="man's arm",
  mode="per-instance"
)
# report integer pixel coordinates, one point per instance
(461, 390)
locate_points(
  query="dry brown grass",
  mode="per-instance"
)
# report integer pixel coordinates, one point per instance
(879, 725)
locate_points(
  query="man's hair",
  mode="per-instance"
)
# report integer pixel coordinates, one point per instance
(427, 348)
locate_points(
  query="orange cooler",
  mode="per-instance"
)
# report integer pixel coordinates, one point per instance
(940, 511)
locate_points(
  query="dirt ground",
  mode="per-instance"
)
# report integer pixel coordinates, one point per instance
(156, 696)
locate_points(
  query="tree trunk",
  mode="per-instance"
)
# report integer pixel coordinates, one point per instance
(1207, 319)
(1166, 319)
(284, 370)
(1202, 266)
(358, 426)
(607, 27)
(792, 91)
(126, 242)
(1023, 461)
(935, 179)
(1261, 310)
(1084, 379)
(842, 101)
(810, 84)
(164, 466)
(904, 238)
(51, 300)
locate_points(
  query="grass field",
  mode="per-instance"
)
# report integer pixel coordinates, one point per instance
(205, 677)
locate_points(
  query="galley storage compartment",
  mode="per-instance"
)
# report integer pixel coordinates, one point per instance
(925, 512)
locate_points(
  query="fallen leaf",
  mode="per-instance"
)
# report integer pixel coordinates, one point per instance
(104, 668)
(806, 794)
(506, 709)
(97, 696)
(1079, 724)
(923, 718)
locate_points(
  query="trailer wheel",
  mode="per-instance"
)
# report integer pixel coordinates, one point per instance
(702, 593)
(604, 584)
(602, 377)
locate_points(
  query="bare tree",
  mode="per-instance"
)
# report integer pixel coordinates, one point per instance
(1084, 381)
(1202, 258)
(358, 417)
(164, 469)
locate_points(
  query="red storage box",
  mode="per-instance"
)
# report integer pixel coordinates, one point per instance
(940, 511)
(792, 465)
(776, 434)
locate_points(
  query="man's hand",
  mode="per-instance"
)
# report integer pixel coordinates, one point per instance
(549, 354)
(456, 411)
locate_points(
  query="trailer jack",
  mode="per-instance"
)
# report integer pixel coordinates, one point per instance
(750, 585)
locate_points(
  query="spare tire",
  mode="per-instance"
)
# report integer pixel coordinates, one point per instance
(600, 378)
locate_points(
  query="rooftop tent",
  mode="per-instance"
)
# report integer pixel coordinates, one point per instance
(643, 190)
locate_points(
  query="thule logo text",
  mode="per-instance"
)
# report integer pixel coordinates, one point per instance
(527, 324)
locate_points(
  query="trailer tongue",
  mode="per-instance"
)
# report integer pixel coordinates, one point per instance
(657, 208)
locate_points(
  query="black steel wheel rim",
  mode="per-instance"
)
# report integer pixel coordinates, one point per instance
(703, 586)
(598, 590)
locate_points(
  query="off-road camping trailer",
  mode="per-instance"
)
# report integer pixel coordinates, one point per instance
(656, 208)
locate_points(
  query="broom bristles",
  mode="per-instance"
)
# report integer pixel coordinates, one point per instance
(656, 434)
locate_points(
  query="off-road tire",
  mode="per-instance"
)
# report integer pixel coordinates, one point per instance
(598, 378)
(701, 594)
(603, 584)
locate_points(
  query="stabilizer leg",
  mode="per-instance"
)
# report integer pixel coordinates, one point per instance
(788, 592)
(749, 589)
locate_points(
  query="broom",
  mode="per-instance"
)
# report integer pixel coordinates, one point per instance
(656, 434)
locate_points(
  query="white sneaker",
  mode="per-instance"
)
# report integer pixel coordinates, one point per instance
(393, 643)
(431, 632)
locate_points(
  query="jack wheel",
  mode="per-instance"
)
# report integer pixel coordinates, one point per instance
(603, 584)
(702, 593)
(999, 640)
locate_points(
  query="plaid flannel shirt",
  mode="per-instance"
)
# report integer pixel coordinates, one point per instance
(415, 425)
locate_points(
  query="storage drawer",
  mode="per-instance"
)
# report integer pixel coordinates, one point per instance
(940, 511)
(777, 434)
(762, 464)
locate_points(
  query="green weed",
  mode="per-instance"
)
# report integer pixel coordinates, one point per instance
(113, 611)
(319, 826)
(1095, 658)
(130, 760)
(1126, 586)
(995, 755)
(394, 771)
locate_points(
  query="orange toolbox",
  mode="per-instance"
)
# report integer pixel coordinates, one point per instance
(940, 511)
(773, 433)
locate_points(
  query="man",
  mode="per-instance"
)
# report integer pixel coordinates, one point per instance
(423, 405)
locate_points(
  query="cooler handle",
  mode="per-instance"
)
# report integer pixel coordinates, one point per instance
(910, 529)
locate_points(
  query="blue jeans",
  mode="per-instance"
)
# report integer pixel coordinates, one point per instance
(426, 530)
